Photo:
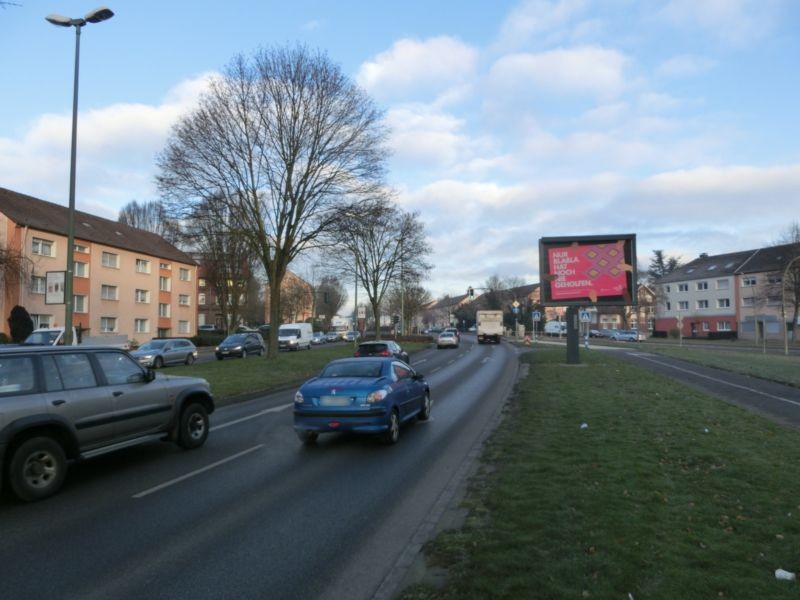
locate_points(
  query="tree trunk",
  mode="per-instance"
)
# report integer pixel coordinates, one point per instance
(377, 316)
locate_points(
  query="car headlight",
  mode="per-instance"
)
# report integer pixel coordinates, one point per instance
(298, 397)
(237, 349)
(216, 349)
(292, 342)
(377, 396)
(146, 357)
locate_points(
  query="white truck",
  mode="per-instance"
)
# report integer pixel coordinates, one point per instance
(489, 325)
(553, 328)
(54, 336)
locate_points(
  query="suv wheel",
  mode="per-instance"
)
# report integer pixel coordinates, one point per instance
(37, 469)
(193, 426)
(158, 363)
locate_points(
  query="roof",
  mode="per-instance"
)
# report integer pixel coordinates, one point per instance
(54, 218)
(708, 266)
(772, 258)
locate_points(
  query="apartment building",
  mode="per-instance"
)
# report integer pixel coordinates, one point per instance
(740, 292)
(126, 280)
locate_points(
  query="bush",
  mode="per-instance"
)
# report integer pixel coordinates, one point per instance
(4, 339)
(674, 333)
(723, 335)
(659, 334)
(20, 323)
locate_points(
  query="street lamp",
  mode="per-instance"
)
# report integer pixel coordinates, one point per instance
(96, 16)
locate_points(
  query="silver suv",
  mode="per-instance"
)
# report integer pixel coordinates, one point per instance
(67, 403)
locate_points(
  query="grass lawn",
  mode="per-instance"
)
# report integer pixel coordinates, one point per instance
(666, 493)
(234, 376)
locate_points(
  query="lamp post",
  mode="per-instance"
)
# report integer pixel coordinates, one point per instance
(96, 16)
(783, 307)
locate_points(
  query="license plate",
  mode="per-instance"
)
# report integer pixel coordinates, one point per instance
(334, 401)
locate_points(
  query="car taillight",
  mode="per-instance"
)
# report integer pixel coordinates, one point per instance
(357, 354)
(385, 353)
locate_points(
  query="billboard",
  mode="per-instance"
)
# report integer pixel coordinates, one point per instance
(55, 287)
(581, 270)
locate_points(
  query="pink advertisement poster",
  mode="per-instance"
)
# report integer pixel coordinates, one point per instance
(591, 271)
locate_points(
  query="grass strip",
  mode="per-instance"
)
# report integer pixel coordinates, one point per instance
(234, 376)
(667, 493)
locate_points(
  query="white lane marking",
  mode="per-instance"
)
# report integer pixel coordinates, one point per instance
(451, 362)
(436, 369)
(722, 381)
(253, 416)
(419, 362)
(485, 360)
(166, 484)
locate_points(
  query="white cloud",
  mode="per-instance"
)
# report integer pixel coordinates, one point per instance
(537, 18)
(412, 68)
(685, 65)
(734, 21)
(582, 70)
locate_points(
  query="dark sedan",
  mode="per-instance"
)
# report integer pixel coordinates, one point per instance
(240, 345)
(382, 348)
(362, 395)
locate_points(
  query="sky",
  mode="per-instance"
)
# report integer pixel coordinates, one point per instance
(675, 120)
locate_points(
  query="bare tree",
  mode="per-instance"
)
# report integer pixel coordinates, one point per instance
(408, 300)
(284, 138)
(152, 217)
(14, 268)
(331, 296)
(382, 244)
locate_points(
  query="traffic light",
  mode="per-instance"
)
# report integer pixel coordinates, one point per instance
(471, 293)
(396, 319)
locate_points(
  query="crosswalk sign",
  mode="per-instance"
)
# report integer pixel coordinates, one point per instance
(584, 316)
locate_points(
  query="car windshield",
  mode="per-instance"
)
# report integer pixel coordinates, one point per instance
(371, 348)
(152, 345)
(288, 332)
(42, 337)
(234, 339)
(353, 369)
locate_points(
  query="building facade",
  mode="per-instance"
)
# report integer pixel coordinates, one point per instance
(125, 280)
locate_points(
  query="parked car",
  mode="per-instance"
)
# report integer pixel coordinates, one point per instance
(318, 338)
(363, 395)
(67, 403)
(240, 345)
(264, 330)
(160, 352)
(207, 329)
(351, 336)
(333, 336)
(382, 348)
(627, 335)
(606, 333)
(447, 339)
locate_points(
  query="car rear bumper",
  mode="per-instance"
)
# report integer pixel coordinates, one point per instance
(368, 421)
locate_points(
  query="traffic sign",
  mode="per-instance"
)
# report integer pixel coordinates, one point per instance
(585, 316)
(536, 315)
(515, 304)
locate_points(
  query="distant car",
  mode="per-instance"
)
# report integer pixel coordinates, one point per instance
(472, 329)
(159, 352)
(207, 328)
(594, 333)
(351, 336)
(245, 329)
(606, 333)
(454, 330)
(361, 395)
(382, 348)
(333, 336)
(264, 330)
(627, 335)
(240, 345)
(319, 338)
(447, 339)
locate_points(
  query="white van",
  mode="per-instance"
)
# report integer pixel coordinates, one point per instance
(295, 336)
(555, 328)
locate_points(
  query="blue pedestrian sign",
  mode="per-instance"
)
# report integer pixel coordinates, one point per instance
(585, 317)
(536, 315)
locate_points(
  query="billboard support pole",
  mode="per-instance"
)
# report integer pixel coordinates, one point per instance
(573, 356)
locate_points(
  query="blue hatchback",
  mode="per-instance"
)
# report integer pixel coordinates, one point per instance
(363, 395)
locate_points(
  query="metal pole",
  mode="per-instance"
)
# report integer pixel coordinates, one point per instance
(68, 287)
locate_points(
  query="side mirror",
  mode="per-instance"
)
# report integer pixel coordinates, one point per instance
(418, 377)
(150, 376)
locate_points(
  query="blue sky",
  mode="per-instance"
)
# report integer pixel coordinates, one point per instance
(672, 119)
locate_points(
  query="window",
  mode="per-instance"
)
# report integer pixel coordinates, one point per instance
(163, 284)
(183, 299)
(17, 375)
(142, 266)
(775, 279)
(706, 326)
(79, 304)
(108, 324)
(702, 285)
(118, 368)
(110, 260)
(38, 285)
(201, 299)
(774, 299)
(80, 269)
(683, 287)
(723, 303)
(41, 320)
(683, 305)
(749, 281)
(669, 289)
(669, 305)
(201, 282)
(702, 304)
(166, 266)
(75, 370)
(183, 274)
(142, 296)
(723, 284)
(81, 248)
(749, 301)
(183, 326)
(108, 292)
(42, 247)
(163, 310)
(141, 325)
(723, 325)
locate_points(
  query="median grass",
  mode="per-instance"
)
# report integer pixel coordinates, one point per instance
(234, 376)
(665, 493)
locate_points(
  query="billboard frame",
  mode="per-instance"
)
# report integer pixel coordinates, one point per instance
(627, 266)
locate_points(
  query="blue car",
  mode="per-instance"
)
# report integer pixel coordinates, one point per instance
(363, 395)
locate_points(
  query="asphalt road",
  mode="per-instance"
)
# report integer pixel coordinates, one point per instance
(255, 514)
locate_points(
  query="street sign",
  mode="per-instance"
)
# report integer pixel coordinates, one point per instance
(515, 304)
(536, 315)
(585, 316)
(362, 312)
(516, 310)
